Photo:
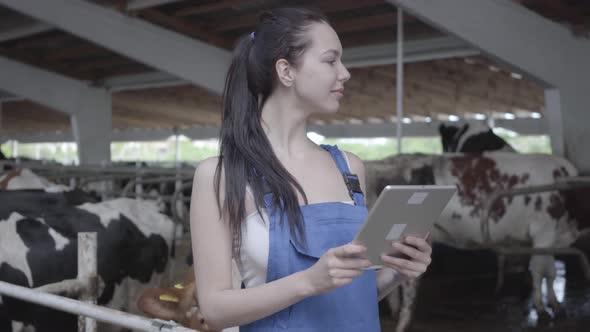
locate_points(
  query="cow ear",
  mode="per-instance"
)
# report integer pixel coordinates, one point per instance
(442, 128)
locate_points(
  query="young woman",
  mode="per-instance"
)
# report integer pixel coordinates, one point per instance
(283, 207)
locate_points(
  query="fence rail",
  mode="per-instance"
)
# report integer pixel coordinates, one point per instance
(568, 183)
(85, 286)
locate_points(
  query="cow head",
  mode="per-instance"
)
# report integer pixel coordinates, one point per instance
(471, 138)
(450, 136)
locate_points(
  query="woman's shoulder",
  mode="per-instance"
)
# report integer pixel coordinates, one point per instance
(355, 163)
(205, 171)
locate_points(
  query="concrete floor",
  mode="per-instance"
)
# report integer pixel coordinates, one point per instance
(464, 304)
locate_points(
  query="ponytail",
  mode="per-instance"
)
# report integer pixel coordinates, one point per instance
(246, 155)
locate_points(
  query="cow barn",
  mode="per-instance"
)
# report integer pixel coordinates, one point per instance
(94, 72)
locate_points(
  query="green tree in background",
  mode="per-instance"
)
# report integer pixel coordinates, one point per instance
(195, 151)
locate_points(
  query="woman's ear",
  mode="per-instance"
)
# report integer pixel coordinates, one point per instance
(285, 72)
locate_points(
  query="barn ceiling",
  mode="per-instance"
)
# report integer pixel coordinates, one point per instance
(462, 85)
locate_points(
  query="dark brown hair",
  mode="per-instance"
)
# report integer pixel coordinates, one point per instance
(245, 151)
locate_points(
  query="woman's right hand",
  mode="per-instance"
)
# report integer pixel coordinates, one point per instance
(338, 267)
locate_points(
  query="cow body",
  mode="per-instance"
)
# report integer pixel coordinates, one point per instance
(38, 246)
(538, 220)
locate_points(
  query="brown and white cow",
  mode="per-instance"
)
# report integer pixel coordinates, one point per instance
(179, 303)
(538, 220)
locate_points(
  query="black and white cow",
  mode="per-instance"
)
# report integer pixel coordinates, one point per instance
(537, 220)
(25, 179)
(471, 138)
(38, 246)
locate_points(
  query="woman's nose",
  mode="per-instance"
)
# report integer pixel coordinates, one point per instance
(344, 74)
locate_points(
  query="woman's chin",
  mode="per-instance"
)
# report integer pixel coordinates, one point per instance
(332, 108)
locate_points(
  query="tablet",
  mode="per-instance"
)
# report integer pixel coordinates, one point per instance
(398, 212)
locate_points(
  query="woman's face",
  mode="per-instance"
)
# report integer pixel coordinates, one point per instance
(320, 75)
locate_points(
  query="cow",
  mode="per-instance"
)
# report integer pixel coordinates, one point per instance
(173, 303)
(176, 303)
(24, 178)
(38, 246)
(536, 220)
(473, 137)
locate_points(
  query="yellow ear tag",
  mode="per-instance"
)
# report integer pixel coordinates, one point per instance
(179, 286)
(168, 298)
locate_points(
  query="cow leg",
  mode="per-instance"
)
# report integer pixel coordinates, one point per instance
(500, 274)
(551, 297)
(394, 301)
(401, 301)
(543, 267)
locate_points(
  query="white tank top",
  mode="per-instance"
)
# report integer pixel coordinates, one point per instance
(253, 262)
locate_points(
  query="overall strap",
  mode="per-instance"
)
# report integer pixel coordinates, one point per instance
(351, 180)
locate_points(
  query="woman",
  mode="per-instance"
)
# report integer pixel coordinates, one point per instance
(287, 209)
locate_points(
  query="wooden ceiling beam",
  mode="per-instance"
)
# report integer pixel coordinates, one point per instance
(206, 8)
(53, 40)
(364, 22)
(327, 6)
(98, 75)
(197, 31)
(105, 63)
(330, 6)
(125, 118)
(182, 113)
(79, 51)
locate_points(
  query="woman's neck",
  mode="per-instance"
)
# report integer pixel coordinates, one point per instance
(285, 125)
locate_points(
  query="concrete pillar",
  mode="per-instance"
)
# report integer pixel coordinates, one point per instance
(14, 148)
(554, 119)
(576, 121)
(91, 126)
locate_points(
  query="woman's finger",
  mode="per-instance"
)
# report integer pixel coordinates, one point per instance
(420, 244)
(343, 273)
(403, 264)
(412, 252)
(349, 263)
(349, 251)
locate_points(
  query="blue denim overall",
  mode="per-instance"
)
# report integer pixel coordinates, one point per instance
(352, 307)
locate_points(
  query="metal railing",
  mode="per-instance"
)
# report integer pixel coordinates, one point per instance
(85, 287)
(93, 311)
(70, 171)
(569, 183)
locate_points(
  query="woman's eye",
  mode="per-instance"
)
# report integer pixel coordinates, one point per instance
(332, 62)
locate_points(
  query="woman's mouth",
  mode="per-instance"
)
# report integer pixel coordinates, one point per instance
(338, 92)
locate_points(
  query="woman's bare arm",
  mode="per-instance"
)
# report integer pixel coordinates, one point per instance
(221, 305)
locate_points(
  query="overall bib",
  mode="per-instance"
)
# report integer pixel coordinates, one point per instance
(353, 307)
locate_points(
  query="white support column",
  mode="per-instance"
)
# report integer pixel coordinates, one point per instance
(539, 48)
(575, 101)
(553, 116)
(14, 148)
(399, 79)
(91, 127)
(90, 108)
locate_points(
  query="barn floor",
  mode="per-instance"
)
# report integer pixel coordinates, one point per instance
(446, 302)
(457, 305)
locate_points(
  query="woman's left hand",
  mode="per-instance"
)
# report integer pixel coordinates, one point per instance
(418, 253)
